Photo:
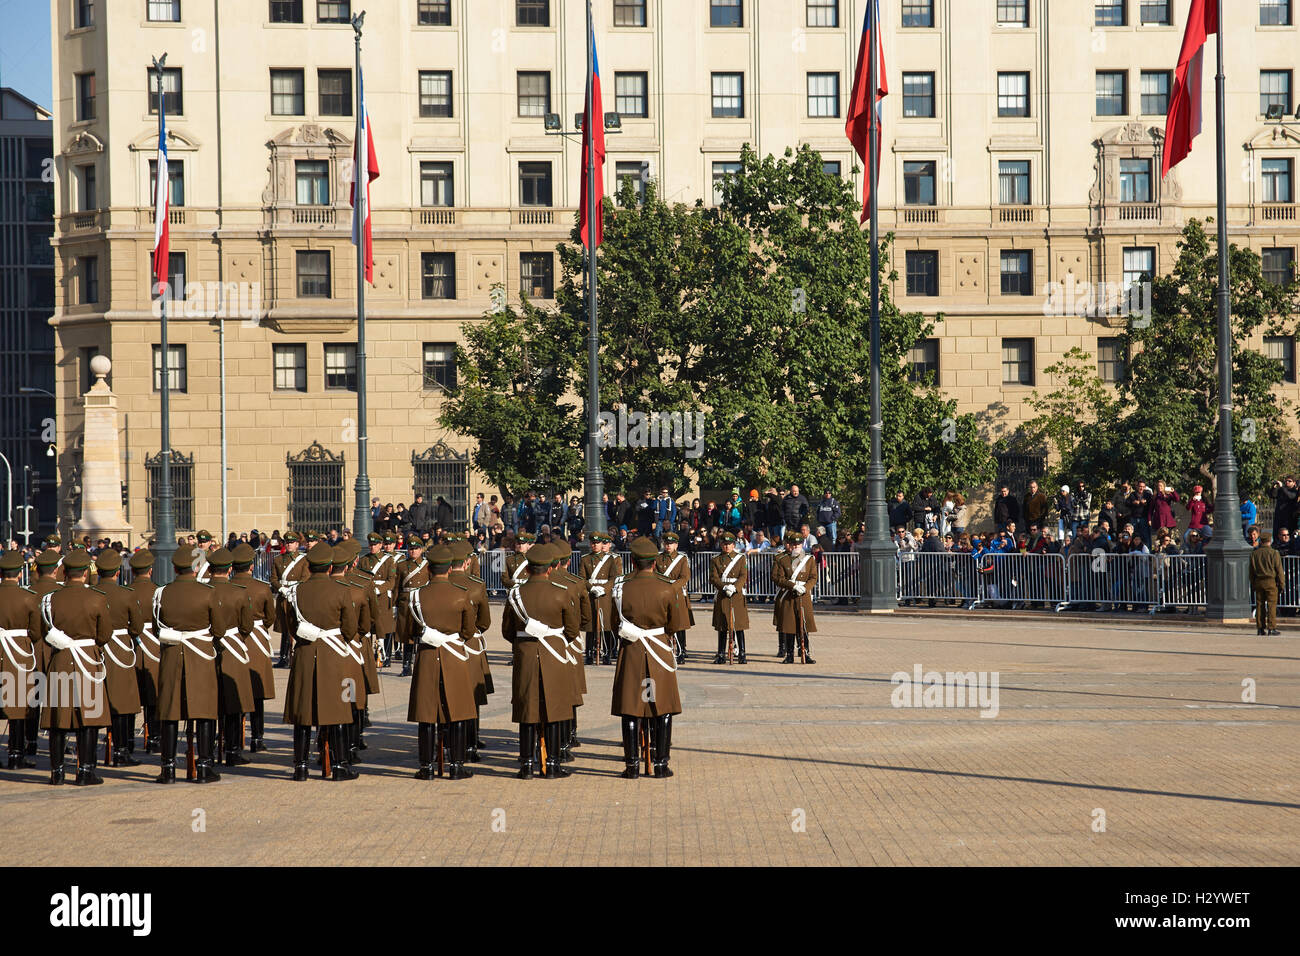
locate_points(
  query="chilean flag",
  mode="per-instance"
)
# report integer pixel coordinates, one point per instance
(162, 202)
(857, 128)
(360, 197)
(593, 137)
(1184, 121)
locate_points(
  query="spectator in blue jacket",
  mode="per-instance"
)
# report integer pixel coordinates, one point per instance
(828, 513)
(1248, 514)
(665, 512)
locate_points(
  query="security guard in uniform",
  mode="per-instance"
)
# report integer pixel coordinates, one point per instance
(235, 678)
(286, 571)
(206, 547)
(120, 659)
(412, 574)
(49, 578)
(262, 607)
(148, 652)
(676, 567)
(577, 587)
(363, 646)
(381, 565)
(600, 569)
(516, 566)
(794, 573)
(20, 630)
(1267, 581)
(729, 575)
(477, 645)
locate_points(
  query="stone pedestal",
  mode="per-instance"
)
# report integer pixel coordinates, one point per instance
(101, 465)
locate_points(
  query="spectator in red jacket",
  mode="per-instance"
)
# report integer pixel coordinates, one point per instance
(1198, 508)
(1160, 513)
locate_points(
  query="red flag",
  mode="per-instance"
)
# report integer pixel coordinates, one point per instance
(593, 136)
(1184, 120)
(361, 188)
(162, 208)
(857, 128)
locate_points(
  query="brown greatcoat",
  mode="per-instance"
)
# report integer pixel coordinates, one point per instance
(602, 608)
(19, 611)
(681, 576)
(578, 649)
(261, 652)
(643, 685)
(384, 583)
(445, 678)
(411, 576)
(472, 567)
(785, 613)
(120, 653)
(187, 674)
(543, 688)
(235, 675)
(729, 613)
(148, 652)
(317, 694)
(41, 586)
(482, 623)
(512, 563)
(279, 567)
(74, 700)
(368, 610)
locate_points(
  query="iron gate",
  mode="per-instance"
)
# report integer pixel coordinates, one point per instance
(1017, 469)
(439, 470)
(182, 482)
(315, 489)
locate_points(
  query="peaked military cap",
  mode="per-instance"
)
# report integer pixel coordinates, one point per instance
(221, 559)
(644, 547)
(670, 537)
(185, 557)
(460, 550)
(142, 559)
(77, 560)
(108, 561)
(48, 558)
(375, 538)
(204, 537)
(293, 536)
(526, 537)
(541, 556)
(11, 561)
(601, 537)
(440, 555)
(320, 555)
(243, 553)
(562, 549)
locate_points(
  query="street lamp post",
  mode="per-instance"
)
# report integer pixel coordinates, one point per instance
(165, 527)
(361, 519)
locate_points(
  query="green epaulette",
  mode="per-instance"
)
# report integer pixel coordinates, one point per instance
(459, 587)
(562, 587)
(97, 590)
(476, 580)
(240, 586)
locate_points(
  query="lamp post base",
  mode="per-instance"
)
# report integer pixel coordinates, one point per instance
(877, 576)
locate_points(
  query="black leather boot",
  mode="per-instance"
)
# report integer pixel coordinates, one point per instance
(18, 745)
(740, 648)
(459, 747)
(807, 650)
(365, 719)
(122, 736)
(574, 742)
(480, 743)
(605, 646)
(472, 741)
(284, 652)
(358, 730)
(129, 722)
(721, 656)
(338, 745)
(789, 647)
(33, 731)
(631, 759)
(301, 750)
(234, 758)
(780, 646)
(153, 730)
(56, 757)
(589, 657)
(527, 745)
(424, 747)
(257, 728)
(406, 660)
(204, 766)
(87, 741)
(170, 730)
(662, 729)
(555, 750)
(681, 647)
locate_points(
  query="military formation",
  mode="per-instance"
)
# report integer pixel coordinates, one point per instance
(80, 652)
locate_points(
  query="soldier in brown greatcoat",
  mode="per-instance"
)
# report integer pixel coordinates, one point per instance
(381, 565)
(286, 571)
(516, 565)
(676, 567)
(75, 626)
(412, 574)
(148, 652)
(600, 569)
(540, 621)
(477, 644)
(645, 693)
(443, 619)
(49, 578)
(235, 676)
(794, 573)
(189, 617)
(20, 630)
(262, 607)
(729, 575)
(363, 646)
(560, 574)
(119, 659)
(323, 621)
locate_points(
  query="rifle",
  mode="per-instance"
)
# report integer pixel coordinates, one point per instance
(108, 747)
(325, 755)
(800, 634)
(541, 744)
(731, 633)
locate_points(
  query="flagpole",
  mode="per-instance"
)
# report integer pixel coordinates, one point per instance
(594, 509)
(165, 527)
(361, 523)
(877, 559)
(1227, 554)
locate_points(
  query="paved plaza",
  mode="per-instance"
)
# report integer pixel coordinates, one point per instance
(1117, 742)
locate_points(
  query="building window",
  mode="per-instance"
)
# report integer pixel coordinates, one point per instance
(315, 489)
(918, 94)
(290, 367)
(439, 472)
(286, 11)
(532, 13)
(313, 182)
(164, 11)
(85, 16)
(534, 184)
(313, 274)
(88, 267)
(435, 93)
(433, 13)
(437, 185)
(180, 475)
(831, 167)
(726, 13)
(631, 172)
(534, 93)
(1281, 348)
(1274, 90)
(721, 171)
(1154, 12)
(177, 377)
(629, 13)
(918, 13)
(1275, 13)
(918, 183)
(1110, 13)
(85, 96)
(1013, 13)
(175, 181)
(1155, 92)
(630, 94)
(439, 365)
(823, 13)
(176, 276)
(922, 273)
(333, 11)
(537, 274)
(1013, 94)
(728, 94)
(86, 182)
(438, 274)
(1017, 272)
(1277, 180)
(1013, 182)
(287, 93)
(1279, 266)
(335, 90)
(1112, 363)
(1112, 92)
(1017, 361)
(823, 95)
(1135, 180)
(923, 362)
(173, 101)
(341, 368)
(1139, 265)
